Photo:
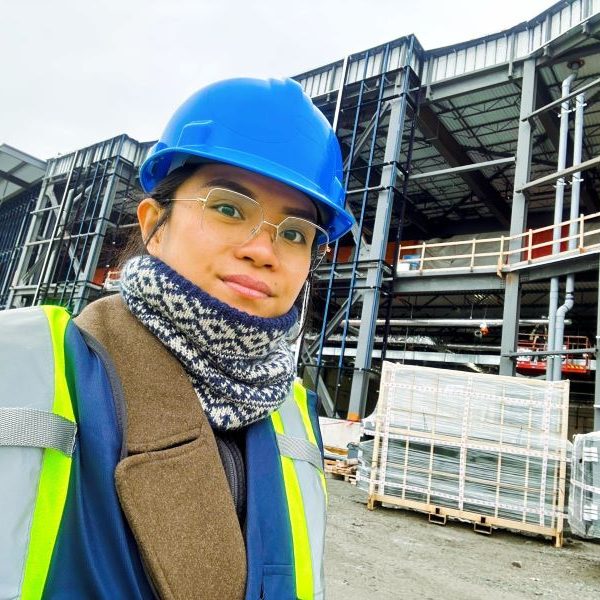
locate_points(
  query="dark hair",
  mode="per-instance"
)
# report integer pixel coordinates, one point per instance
(163, 193)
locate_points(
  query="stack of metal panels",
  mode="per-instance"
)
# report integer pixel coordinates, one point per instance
(478, 447)
(584, 493)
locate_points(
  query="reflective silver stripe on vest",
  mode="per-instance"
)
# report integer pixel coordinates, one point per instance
(26, 381)
(313, 494)
(300, 449)
(36, 428)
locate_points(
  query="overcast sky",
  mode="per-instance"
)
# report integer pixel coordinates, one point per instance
(75, 72)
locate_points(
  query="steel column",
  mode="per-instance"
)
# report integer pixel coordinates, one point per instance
(385, 200)
(60, 215)
(518, 220)
(32, 233)
(93, 254)
(597, 382)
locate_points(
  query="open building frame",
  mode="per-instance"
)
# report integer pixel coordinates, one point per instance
(441, 147)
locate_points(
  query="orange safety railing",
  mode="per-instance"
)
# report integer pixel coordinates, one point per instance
(502, 253)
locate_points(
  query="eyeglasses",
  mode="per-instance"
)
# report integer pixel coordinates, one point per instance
(236, 218)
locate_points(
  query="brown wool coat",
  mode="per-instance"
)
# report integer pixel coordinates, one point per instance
(172, 486)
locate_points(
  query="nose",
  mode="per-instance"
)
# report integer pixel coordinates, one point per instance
(260, 249)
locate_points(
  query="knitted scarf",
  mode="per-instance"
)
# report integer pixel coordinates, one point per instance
(240, 365)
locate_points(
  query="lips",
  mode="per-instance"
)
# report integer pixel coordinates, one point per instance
(248, 286)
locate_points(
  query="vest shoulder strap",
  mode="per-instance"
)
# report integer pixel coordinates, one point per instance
(34, 428)
(37, 435)
(305, 489)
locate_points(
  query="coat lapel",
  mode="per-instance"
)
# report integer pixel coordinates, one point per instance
(172, 486)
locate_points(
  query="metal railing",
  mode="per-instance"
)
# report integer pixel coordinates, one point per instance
(503, 253)
(532, 353)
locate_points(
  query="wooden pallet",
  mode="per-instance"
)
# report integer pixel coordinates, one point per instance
(483, 524)
(342, 469)
(425, 415)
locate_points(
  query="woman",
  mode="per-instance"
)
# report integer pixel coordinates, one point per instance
(183, 387)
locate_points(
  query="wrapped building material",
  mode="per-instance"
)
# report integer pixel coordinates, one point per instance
(477, 447)
(584, 493)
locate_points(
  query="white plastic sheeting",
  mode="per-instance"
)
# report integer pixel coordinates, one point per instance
(479, 444)
(584, 493)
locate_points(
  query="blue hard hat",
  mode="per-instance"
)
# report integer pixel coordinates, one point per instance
(270, 127)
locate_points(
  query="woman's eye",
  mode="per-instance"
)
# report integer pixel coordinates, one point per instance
(294, 236)
(228, 210)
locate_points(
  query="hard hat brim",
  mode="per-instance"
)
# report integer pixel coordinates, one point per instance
(336, 221)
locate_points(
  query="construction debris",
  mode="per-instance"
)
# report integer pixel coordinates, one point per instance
(344, 469)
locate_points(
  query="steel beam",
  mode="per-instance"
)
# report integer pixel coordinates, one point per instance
(422, 356)
(576, 351)
(16, 180)
(561, 266)
(322, 392)
(584, 166)
(463, 169)
(476, 81)
(559, 101)
(332, 325)
(444, 322)
(518, 223)
(468, 282)
(453, 153)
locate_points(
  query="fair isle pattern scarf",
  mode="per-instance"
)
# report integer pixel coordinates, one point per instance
(241, 366)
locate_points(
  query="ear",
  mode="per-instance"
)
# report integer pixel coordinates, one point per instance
(148, 214)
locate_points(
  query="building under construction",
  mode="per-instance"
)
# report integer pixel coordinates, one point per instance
(472, 173)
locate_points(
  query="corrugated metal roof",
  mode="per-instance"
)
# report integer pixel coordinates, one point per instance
(510, 45)
(459, 59)
(18, 171)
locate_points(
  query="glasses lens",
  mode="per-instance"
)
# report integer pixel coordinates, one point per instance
(301, 240)
(236, 218)
(230, 216)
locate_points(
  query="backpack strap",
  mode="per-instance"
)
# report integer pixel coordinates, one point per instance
(37, 435)
(35, 428)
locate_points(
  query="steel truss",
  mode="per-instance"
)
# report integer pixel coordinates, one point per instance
(15, 215)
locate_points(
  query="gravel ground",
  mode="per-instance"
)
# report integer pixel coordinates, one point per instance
(392, 554)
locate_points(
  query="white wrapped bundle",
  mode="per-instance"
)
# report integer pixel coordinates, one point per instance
(584, 493)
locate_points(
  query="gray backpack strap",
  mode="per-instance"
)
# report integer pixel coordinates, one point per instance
(37, 429)
(300, 449)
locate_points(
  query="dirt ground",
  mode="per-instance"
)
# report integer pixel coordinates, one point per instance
(397, 554)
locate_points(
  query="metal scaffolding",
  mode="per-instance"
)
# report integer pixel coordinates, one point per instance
(455, 147)
(81, 218)
(15, 215)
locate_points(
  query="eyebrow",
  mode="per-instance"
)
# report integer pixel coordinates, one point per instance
(234, 186)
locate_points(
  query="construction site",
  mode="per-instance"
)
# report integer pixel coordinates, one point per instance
(453, 339)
